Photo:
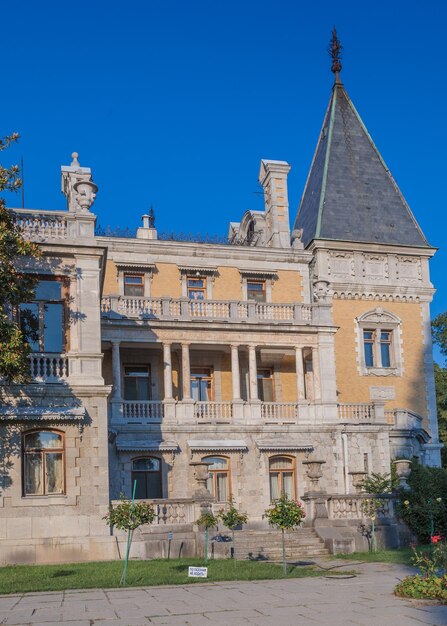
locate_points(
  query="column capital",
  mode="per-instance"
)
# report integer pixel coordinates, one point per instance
(115, 342)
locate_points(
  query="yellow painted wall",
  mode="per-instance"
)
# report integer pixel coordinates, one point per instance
(288, 379)
(166, 281)
(226, 382)
(353, 387)
(288, 287)
(110, 279)
(227, 285)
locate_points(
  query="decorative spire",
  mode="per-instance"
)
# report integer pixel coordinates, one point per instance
(335, 52)
(151, 217)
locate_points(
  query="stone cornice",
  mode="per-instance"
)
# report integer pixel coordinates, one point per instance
(328, 244)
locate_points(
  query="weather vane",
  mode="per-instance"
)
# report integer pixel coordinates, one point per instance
(335, 51)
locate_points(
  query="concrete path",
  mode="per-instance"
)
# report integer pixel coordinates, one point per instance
(365, 600)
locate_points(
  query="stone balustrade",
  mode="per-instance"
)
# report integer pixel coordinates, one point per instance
(151, 410)
(279, 412)
(171, 512)
(48, 367)
(345, 507)
(167, 308)
(213, 411)
(189, 411)
(54, 225)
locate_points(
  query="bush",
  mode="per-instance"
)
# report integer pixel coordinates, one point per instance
(428, 587)
(427, 498)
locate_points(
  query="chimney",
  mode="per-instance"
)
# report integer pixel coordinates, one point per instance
(273, 178)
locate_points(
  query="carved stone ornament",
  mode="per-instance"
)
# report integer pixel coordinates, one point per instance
(201, 474)
(403, 471)
(321, 290)
(85, 193)
(357, 480)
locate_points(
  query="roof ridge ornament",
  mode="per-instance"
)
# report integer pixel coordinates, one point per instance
(335, 52)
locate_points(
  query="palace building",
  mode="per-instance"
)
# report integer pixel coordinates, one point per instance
(260, 356)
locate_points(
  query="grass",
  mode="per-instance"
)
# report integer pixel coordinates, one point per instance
(400, 555)
(107, 574)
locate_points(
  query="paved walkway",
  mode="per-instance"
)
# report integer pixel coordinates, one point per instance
(364, 600)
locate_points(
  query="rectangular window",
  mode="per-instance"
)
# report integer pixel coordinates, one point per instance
(385, 348)
(265, 385)
(368, 344)
(137, 383)
(134, 285)
(256, 290)
(201, 384)
(42, 320)
(196, 288)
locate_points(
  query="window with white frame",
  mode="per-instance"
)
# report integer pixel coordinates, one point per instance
(43, 463)
(134, 280)
(257, 285)
(379, 343)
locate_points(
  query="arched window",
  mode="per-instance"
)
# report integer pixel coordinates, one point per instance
(147, 473)
(43, 463)
(219, 481)
(282, 476)
(379, 342)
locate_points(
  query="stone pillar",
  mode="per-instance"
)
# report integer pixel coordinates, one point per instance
(316, 373)
(186, 372)
(300, 384)
(116, 371)
(253, 373)
(167, 371)
(235, 376)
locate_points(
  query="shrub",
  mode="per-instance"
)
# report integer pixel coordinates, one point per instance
(285, 514)
(423, 507)
(231, 519)
(428, 587)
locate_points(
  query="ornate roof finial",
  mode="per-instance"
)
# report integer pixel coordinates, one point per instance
(151, 217)
(335, 52)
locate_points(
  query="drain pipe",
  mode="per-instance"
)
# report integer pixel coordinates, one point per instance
(344, 438)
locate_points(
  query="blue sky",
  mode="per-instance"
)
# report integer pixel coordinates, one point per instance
(174, 103)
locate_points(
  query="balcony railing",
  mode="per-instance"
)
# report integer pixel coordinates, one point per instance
(213, 411)
(166, 308)
(46, 367)
(39, 225)
(356, 412)
(149, 410)
(279, 412)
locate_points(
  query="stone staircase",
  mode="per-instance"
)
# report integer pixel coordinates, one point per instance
(265, 545)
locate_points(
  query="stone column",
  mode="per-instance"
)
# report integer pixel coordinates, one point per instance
(116, 371)
(253, 373)
(316, 373)
(167, 371)
(300, 384)
(235, 376)
(186, 372)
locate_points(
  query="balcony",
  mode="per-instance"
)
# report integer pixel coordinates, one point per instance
(46, 367)
(192, 412)
(170, 309)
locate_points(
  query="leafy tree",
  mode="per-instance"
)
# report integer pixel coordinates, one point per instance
(441, 403)
(231, 519)
(439, 332)
(16, 286)
(285, 514)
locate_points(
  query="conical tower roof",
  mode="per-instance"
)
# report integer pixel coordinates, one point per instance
(350, 194)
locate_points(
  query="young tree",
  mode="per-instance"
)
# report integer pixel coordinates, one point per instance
(16, 286)
(231, 519)
(128, 515)
(207, 520)
(285, 514)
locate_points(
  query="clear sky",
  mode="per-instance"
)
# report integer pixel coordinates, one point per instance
(174, 103)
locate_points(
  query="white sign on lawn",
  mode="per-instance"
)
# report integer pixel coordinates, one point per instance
(198, 572)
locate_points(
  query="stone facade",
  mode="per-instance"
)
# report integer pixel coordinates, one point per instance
(261, 355)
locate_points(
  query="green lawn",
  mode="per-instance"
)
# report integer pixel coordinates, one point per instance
(401, 555)
(23, 578)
